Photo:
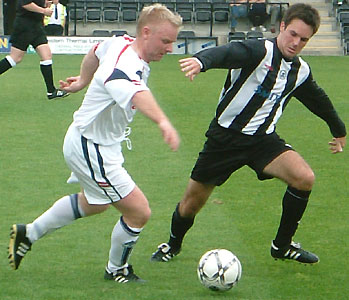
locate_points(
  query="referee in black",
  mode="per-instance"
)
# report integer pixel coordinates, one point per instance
(28, 30)
(263, 76)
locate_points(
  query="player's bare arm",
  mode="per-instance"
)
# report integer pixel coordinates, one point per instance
(190, 66)
(337, 144)
(147, 105)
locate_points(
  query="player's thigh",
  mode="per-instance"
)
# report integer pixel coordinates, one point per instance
(98, 169)
(290, 167)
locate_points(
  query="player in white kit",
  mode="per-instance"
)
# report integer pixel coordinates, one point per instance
(118, 71)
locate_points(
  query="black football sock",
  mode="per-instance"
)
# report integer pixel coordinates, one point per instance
(179, 227)
(4, 65)
(46, 71)
(293, 206)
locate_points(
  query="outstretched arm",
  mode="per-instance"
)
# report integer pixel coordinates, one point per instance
(146, 104)
(229, 56)
(190, 66)
(88, 68)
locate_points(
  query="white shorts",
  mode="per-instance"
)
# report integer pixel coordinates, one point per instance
(97, 168)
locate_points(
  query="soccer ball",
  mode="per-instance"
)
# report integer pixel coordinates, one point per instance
(219, 270)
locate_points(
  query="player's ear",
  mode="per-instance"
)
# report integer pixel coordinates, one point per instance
(282, 26)
(146, 31)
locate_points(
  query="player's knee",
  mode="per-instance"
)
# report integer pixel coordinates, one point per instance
(188, 209)
(146, 215)
(305, 182)
(138, 219)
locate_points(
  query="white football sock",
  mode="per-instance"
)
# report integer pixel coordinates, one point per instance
(46, 62)
(11, 61)
(63, 212)
(123, 238)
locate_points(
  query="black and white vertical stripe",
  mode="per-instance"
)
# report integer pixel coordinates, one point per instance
(253, 98)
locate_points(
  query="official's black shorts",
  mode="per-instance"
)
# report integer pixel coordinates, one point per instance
(226, 151)
(27, 32)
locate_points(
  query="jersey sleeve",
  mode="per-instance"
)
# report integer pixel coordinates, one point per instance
(100, 49)
(126, 79)
(122, 88)
(25, 2)
(232, 55)
(38, 3)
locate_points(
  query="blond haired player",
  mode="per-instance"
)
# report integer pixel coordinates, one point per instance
(119, 71)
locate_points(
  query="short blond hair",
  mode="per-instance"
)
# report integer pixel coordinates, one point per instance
(156, 13)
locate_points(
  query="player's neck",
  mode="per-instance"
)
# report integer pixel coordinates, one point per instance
(137, 47)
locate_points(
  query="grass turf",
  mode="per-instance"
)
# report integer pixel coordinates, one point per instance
(241, 216)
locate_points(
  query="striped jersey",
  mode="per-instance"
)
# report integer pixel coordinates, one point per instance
(107, 107)
(259, 84)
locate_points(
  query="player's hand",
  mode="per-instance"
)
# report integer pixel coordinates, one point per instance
(337, 145)
(190, 67)
(169, 134)
(71, 85)
(48, 12)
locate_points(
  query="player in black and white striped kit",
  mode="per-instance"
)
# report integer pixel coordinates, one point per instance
(263, 76)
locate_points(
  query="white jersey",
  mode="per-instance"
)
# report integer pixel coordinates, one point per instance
(107, 108)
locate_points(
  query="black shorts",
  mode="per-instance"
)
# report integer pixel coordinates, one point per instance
(226, 151)
(27, 32)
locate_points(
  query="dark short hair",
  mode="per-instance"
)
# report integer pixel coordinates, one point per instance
(308, 14)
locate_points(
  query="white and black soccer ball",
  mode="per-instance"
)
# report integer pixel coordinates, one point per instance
(219, 270)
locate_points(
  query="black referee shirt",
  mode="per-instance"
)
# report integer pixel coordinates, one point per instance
(21, 12)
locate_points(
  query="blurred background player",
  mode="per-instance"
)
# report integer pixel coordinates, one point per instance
(28, 30)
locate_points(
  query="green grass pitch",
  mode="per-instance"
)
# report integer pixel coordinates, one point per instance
(241, 216)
